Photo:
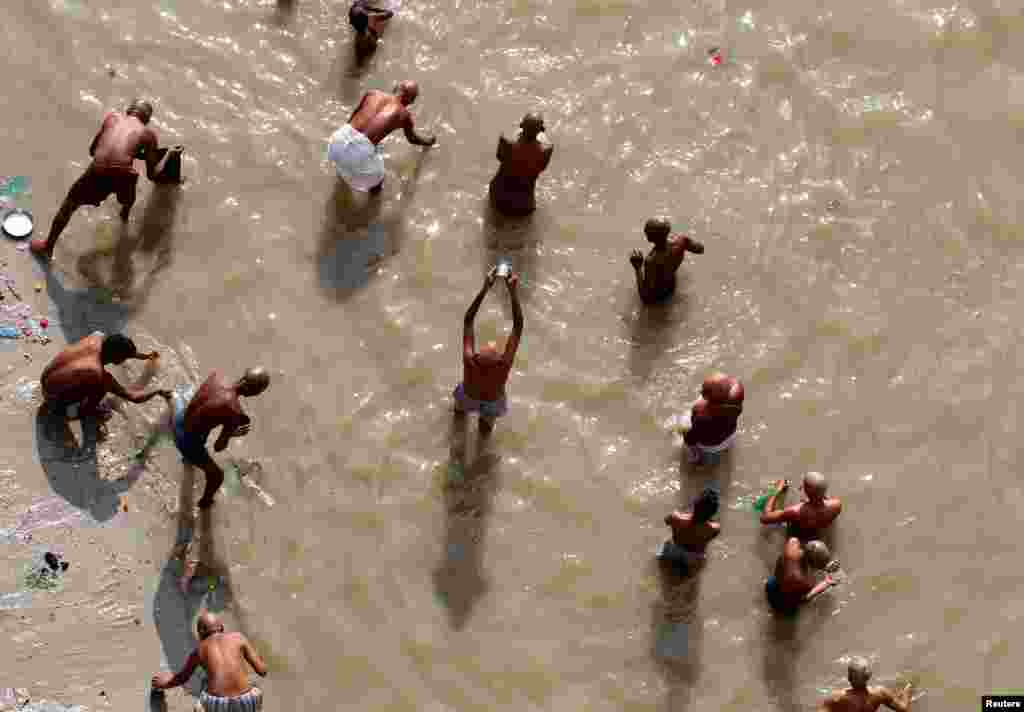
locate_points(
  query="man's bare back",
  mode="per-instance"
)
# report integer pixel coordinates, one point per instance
(122, 138)
(867, 700)
(223, 656)
(378, 114)
(690, 535)
(215, 404)
(656, 274)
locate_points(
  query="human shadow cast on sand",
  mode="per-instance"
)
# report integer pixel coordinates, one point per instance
(71, 467)
(361, 231)
(459, 579)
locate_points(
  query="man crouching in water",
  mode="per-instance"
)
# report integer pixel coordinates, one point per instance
(223, 657)
(861, 698)
(656, 275)
(76, 381)
(485, 373)
(520, 164)
(714, 418)
(792, 583)
(691, 533)
(215, 404)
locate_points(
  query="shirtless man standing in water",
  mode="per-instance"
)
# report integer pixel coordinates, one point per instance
(656, 275)
(861, 698)
(692, 532)
(521, 163)
(215, 404)
(485, 372)
(223, 657)
(807, 519)
(121, 139)
(792, 583)
(353, 147)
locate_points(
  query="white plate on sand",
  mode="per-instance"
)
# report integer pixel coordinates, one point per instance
(17, 224)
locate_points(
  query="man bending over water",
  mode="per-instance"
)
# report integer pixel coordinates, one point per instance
(714, 418)
(656, 275)
(353, 147)
(223, 657)
(861, 698)
(121, 139)
(368, 22)
(692, 532)
(485, 372)
(76, 381)
(809, 518)
(792, 583)
(521, 163)
(215, 404)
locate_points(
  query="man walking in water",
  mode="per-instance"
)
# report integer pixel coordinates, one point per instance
(216, 404)
(485, 373)
(861, 698)
(809, 518)
(714, 418)
(656, 275)
(792, 583)
(223, 657)
(353, 147)
(368, 22)
(692, 532)
(76, 381)
(121, 139)
(522, 162)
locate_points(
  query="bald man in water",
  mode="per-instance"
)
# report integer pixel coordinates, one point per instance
(714, 418)
(859, 697)
(215, 405)
(521, 163)
(353, 147)
(656, 275)
(485, 372)
(807, 519)
(122, 138)
(223, 657)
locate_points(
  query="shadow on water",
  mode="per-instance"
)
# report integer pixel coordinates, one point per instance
(653, 330)
(781, 647)
(459, 580)
(359, 233)
(678, 631)
(284, 12)
(71, 466)
(515, 240)
(152, 240)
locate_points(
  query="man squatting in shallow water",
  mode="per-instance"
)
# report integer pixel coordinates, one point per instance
(860, 697)
(223, 657)
(691, 533)
(512, 190)
(122, 138)
(656, 274)
(369, 22)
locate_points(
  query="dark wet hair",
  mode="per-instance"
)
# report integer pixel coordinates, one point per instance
(116, 348)
(657, 229)
(705, 506)
(141, 109)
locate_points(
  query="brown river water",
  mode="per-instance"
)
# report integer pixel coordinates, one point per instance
(850, 169)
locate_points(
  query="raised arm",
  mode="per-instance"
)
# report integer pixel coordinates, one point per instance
(503, 145)
(409, 127)
(236, 428)
(254, 659)
(770, 515)
(548, 150)
(899, 701)
(165, 680)
(820, 588)
(517, 319)
(468, 340)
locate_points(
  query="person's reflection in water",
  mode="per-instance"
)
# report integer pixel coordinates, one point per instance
(459, 579)
(677, 638)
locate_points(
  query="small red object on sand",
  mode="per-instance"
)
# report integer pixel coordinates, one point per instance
(44, 323)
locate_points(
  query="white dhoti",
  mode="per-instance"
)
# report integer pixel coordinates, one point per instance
(356, 159)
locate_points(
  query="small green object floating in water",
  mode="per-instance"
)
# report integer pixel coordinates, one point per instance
(761, 502)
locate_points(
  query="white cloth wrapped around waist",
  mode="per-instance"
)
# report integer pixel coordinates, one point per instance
(355, 159)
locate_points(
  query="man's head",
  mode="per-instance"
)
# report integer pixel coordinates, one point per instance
(657, 230)
(207, 625)
(254, 382)
(705, 506)
(116, 349)
(488, 355)
(815, 486)
(817, 554)
(407, 91)
(716, 387)
(859, 672)
(142, 110)
(532, 125)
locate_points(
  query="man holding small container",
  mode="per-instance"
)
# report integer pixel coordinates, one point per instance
(485, 372)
